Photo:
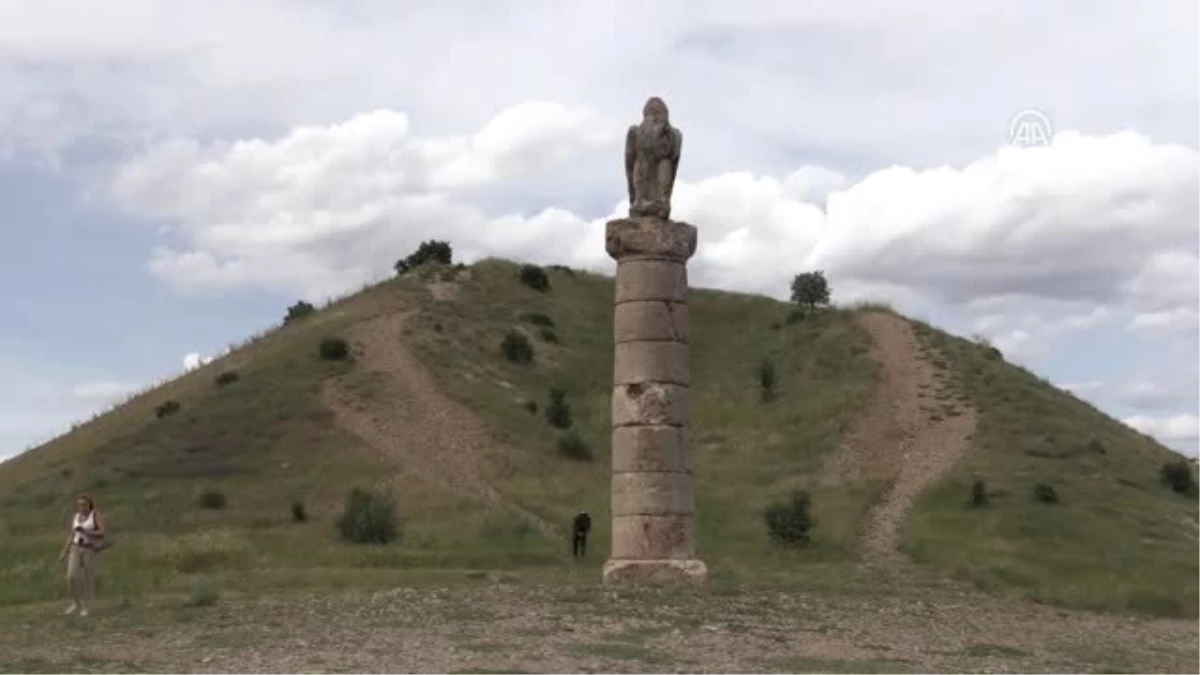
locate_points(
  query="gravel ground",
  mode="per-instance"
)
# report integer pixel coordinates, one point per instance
(497, 627)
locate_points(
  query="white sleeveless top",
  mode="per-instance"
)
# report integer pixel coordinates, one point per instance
(88, 523)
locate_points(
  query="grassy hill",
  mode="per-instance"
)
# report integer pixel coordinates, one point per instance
(294, 429)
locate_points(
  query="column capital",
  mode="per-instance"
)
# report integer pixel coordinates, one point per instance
(650, 238)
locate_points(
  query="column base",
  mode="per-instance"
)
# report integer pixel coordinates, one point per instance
(655, 572)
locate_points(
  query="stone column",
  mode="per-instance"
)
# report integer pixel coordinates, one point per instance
(652, 503)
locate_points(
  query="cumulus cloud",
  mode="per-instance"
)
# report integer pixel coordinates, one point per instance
(1099, 222)
(1175, 429)
(194, 360)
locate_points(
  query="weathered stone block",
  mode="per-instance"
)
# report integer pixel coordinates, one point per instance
(646, 362)
(650, 320)
(654, 403)
(651, 493)
(651, 449)
(651, 238)
(655, 572)
(652, 537)
(651, 280)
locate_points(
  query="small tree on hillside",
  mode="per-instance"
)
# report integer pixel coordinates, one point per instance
(810, 289)
(429, 251)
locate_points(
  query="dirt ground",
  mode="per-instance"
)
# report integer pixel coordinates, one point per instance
(490, 626)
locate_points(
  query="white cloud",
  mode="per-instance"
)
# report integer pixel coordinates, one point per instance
(1175, 429)
(194, 360)
(1095, 223)
(101, 391)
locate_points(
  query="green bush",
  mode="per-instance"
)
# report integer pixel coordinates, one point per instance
(298, 311)
(1178, 476)
(334, 349)
(531, 407)
(548, 335)
(299, 514)
(204, 594)
(979, 493)
(573, 446)
(429, 251)
(767, 381)
(534, 277)
(516, 347)
(1045, 493)
(368, 518)
(789, 522)
(166, 408)
(227, 377)
(212, 499)
(558, 411)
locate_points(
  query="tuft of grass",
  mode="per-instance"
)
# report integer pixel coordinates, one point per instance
(368, 518)
(534, 277)
(789, 521)
(227, 377)
(212, 499)
(204, 594)
(334, 349)
(516, 347)
(299, 513)
(166, 408)
(572, 446)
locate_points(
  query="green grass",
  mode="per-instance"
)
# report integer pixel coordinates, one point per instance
(268, 441)
(746, 453)
(1118, 541)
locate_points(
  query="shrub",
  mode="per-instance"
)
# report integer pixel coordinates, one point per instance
(538, 319)
(227, 377)
(204, 594)
(516, 347)
(789, 521)
(573, 446)
(334, 349)
(558, 411)
(166, 408)
(1178, 476)
(564, 269)
(548, 335)
(368, 518)
(811, 289)
(767, 380)
(1045, 493)
(299, 514)
(979, 493)
(298, 311)
(429, 251)
(531, 407)
(794, 316)
(212, 499)
(534, 277)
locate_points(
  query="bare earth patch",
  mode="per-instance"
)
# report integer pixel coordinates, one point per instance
(412, 424)
(909, 436)
(518, 628)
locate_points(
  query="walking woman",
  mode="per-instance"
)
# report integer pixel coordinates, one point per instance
(80, 552)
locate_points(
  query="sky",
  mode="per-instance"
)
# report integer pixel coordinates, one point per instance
(173, 175)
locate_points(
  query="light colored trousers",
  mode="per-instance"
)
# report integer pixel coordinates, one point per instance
(81, 574)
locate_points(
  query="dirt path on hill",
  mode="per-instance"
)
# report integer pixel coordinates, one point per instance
(409, 421)
(912, 433)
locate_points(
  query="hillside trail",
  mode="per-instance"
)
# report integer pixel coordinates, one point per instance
(412, 424)
(907, 438)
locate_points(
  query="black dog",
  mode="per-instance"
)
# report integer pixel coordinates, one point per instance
(580, 529)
